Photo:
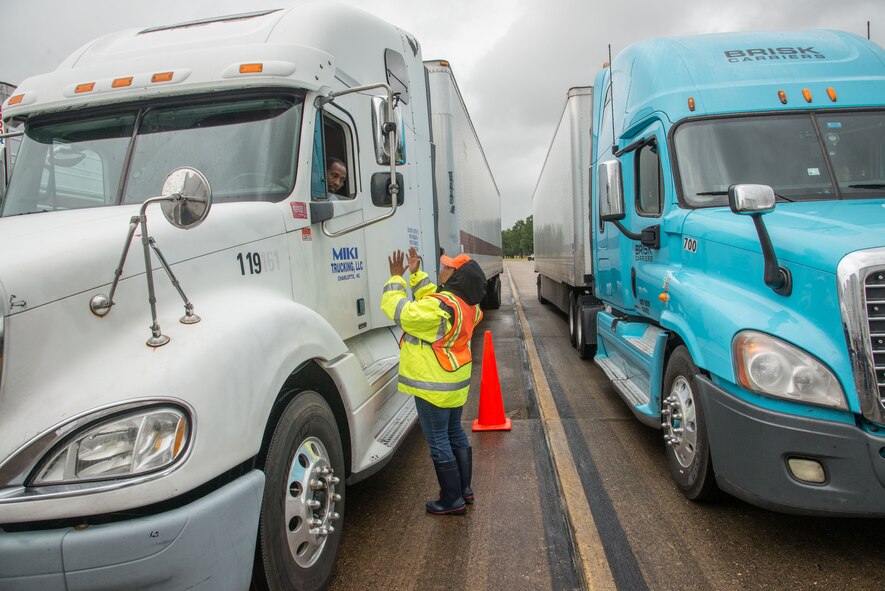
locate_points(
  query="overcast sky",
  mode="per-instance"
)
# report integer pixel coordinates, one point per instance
(514, 59)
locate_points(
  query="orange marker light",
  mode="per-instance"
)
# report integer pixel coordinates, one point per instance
(831, 92)
(444, 63)
(16, 99)
(691, 103)
(664, 297)
(251, 68)
(121, 82)
(807, 94)
(783, 96)
(180, 433)
(84, 87)
(161, 77)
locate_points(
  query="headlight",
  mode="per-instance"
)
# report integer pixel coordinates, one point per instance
(772, 367)
(128, 445)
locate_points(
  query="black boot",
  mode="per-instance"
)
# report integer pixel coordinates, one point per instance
(464, 457)
(450, 501)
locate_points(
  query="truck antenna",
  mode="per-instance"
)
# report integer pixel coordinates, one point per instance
(611, 87)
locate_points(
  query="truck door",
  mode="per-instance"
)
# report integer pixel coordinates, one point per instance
(340, 278)
(645, 189)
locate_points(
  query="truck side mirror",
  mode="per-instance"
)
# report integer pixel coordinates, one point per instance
(380, 189)
(754, 201)
(611, 192)
(185, 199)
(751, 199)
(190, 198)
(381, 127)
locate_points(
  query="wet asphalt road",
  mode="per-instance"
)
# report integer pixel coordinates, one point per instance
(517, 535)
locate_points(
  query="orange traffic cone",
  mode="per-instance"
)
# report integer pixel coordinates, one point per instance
(491, 404)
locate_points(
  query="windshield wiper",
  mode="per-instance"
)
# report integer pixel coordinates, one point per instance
(709, 193)
(874, 186)
(26, 213)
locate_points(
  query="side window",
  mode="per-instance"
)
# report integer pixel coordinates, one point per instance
(649, 184)
(332, 174)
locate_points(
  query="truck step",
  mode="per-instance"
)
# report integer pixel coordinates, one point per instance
(395, 426)
(632, 356)
(645, 343)
(627, 388)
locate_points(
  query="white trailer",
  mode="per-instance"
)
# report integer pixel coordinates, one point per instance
(176, 390)
(468, 199)
(561, 210)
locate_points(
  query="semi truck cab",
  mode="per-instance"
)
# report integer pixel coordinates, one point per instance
(194, 359)
(738, 229)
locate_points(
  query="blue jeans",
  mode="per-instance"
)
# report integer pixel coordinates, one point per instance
(442, 429)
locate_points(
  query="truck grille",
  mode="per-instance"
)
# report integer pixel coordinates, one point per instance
(862, 301)
(874, 287)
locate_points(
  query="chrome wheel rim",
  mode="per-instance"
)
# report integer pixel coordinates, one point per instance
(680, 422)
(310, 502)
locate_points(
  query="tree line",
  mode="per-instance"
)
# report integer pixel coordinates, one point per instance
(518, 241)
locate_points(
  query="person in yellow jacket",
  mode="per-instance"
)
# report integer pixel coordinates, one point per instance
(435, 362)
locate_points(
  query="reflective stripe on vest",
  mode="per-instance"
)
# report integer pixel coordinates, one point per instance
(434, 386)
(453, 348)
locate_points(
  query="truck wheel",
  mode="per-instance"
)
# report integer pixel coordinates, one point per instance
(300, 527)
(540, 297)
(585, 343)
(572, 320)
(685, 432)
(492, 300)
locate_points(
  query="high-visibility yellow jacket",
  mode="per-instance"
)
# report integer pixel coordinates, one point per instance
(426, 321)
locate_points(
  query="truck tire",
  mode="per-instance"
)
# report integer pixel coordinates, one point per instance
(572, 319)
(540, 297)
(300, 527)
(685, 430)
(584, 342)
(492, 300)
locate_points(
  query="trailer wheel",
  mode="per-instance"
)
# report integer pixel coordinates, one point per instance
(492, 300)
(584, 342)
(685, 432)
(540, 297)
(572, 319)
(300, 527)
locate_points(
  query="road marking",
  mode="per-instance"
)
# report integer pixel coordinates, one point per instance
(596, 571)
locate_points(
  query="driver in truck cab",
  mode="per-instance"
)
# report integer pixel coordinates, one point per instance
(336, 174)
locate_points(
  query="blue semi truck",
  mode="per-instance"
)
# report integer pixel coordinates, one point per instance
(711, 216)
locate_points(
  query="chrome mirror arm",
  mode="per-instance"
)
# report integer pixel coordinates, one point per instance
(183, 187)
(189, 316)
(101, 305)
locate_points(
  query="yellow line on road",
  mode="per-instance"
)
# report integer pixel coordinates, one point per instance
(596, 571)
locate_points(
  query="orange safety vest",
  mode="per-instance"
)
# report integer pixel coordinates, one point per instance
(453, 349)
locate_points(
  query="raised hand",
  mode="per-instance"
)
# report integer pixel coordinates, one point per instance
(414, 259)
(396, 263)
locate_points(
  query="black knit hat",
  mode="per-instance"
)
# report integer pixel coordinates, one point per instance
(468, 282)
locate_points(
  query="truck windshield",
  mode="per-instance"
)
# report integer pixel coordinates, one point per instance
(247, 148)
(803, 156)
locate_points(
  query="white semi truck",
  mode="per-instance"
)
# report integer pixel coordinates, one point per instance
(194, 359)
